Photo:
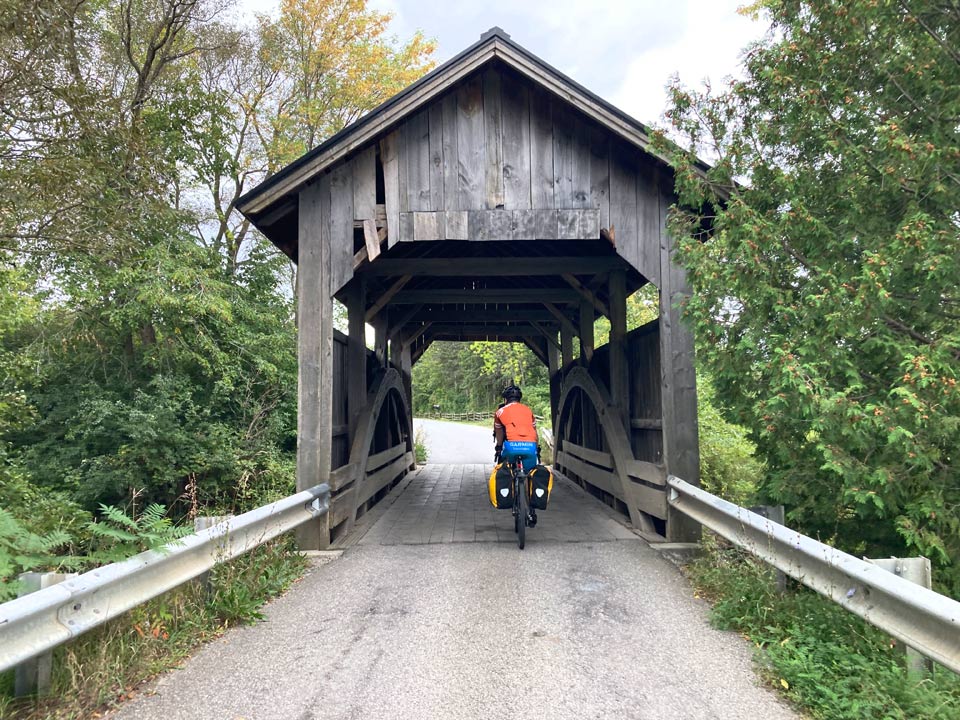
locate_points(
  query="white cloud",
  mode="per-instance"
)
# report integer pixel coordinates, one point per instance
(709, 49)
(623, 50)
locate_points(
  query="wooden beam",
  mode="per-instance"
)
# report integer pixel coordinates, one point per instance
(415, 335)
(418, 352)
(585, 293)
(489, 314)
(549, 334)
(480, 329)
(486, 296)
(566, 345)
(371, 239)
(403, 318)
(500, 267)
(537, 349)
(315, 355)
(586, 332)
(565, 322)
(386, 297)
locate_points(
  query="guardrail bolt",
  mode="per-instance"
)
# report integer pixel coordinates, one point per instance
(33, 676)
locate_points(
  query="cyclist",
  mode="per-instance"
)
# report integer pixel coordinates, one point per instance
(515, 431)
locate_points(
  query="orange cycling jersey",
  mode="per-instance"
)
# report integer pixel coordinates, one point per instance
(516, 419)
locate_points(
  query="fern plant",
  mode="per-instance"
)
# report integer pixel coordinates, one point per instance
(23, 551)
(121, 536)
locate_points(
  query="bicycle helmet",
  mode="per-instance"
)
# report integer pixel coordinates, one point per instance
(512, 392)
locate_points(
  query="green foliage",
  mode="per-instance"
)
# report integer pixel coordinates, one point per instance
(238, 589)
(826, 301)
(461, 377)
(828, 661)
(117, 536)
(22, 550)
(420, 449)
(728, 467)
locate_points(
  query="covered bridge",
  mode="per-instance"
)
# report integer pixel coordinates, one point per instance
(494, 199)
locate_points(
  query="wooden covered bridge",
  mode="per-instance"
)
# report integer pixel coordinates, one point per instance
(494, 199)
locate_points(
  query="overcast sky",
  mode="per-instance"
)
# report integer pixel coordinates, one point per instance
(623, 50)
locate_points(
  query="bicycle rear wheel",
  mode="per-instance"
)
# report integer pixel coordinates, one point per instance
(520, 524)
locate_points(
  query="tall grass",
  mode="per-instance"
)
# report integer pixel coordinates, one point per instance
(826, 660)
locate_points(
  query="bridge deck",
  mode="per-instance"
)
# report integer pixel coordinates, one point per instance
(449, 504)
(433, 613)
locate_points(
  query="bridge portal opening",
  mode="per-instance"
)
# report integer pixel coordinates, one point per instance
(493, 200)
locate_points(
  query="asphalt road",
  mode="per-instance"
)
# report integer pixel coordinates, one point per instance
(449, 442)
(474, 630)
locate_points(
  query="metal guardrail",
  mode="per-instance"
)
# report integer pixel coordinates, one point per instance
(40, 621)
(920, 618)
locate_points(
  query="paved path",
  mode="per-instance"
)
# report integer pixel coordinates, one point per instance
(455, 622)
(449, 442)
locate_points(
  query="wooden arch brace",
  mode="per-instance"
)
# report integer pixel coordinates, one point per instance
(367, 472)
(642, 500)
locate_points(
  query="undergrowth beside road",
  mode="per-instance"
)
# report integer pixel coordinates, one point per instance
(827, 661)
(105, 666)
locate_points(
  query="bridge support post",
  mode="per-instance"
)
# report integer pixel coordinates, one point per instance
(619, 377)
(566, 347)
(678, 382)
(553, 368)
(586, 332)
(315, 351)
(356, 353)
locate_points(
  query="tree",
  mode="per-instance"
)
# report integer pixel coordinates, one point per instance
(827, 296)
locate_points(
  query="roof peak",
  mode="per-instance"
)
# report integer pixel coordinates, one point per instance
(495, 31)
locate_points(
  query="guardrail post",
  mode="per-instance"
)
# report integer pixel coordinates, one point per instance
(776, 514)
(33, 676)
(916, 570)
(203, 522)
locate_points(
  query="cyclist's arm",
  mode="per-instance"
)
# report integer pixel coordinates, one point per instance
(499, 434)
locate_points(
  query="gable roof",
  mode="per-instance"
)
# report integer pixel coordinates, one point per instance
(493, 45)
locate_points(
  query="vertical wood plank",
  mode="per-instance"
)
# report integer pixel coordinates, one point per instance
(451, 197)
(678, 379)
(435, 141)
(406, 372)
(516, 146)
(541, 152)
(648, 222)
(428, 225)
(492, 125)
(471, 141)
(547, 224)
(571, 160)
(415, 155)
(563, 157)
(340, 224)
(600, 173)
(406, 227)
(568, 224)
(391, 185)
(456, 225)
(315, 358)
(623, 204)
(365, 184)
